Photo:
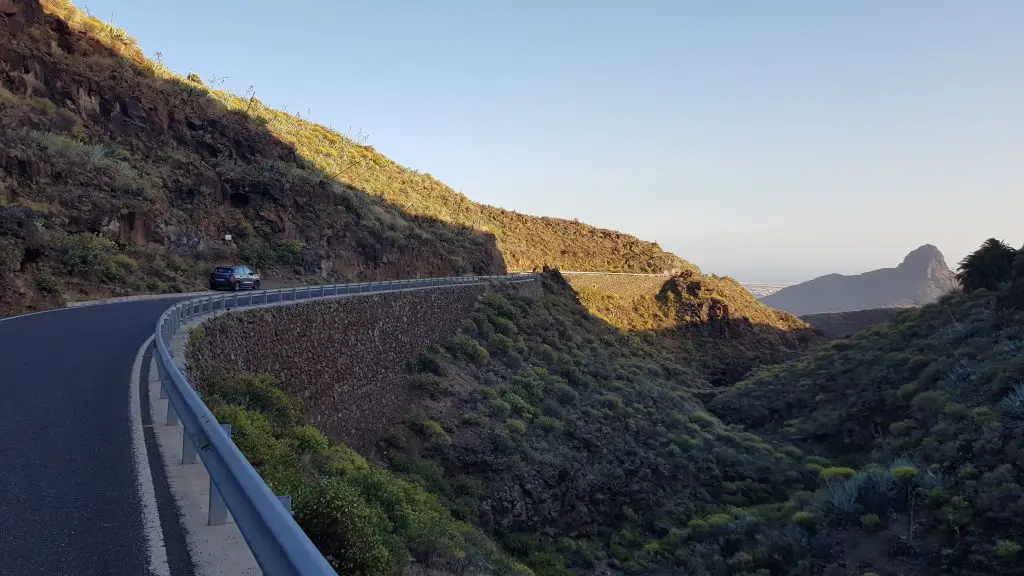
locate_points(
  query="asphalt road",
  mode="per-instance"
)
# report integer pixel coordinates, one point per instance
(68, 497)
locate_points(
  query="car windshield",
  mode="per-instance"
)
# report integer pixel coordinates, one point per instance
(224, 270)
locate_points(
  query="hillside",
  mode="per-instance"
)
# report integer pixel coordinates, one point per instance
(711, 323)
(846, 324)
(936, 397)
(921, 278)
(118, 176)
(574, 446)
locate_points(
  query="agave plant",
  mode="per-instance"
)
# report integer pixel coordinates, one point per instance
(842, 496)
(795, 536)
(1013, 404)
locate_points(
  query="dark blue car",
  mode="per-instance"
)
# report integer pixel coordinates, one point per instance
(234, 278)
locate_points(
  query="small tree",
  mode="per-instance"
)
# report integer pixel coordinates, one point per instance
(987, 267)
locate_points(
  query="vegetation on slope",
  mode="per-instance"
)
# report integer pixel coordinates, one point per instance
(139, 174)
(573, 445)
(936, 397)
(364, 519)
(835, 325)
(708, 322)
(578, 446)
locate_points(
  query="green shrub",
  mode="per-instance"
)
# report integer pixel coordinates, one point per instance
(904, 473)
(118, 267)
(474, 419)
(740, 560)
(287, 253)
(719, 520)
(309, 440)
(86, 255)
(870, 522)
(501, 343)
(1007, 549)
(549, 424)
(467, 348)
(703, 418)
(515, 426)
(434, 430)
(48, 284)
(354, 536)
(504, 326)
(258, 393)
(837, 472)
(431, 363)
(792, 451)
(256, 254)
(818, 460)
(805, 519)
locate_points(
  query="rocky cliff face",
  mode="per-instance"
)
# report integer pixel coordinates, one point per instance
(921, 278)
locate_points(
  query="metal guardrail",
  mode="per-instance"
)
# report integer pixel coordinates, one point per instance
(264, 519)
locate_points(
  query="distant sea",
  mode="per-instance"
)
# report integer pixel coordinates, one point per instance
(762, 289)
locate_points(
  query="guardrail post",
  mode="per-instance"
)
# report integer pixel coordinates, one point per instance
(172, 415)
(161, 372)
(286, 501)
(218, 510)
(188, 449)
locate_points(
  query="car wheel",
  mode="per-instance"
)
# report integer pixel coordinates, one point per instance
(256, 285)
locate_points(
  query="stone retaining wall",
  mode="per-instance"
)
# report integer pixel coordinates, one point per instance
(345, 359)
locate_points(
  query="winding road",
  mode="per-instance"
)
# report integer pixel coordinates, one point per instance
(69, 501)
(82, 487)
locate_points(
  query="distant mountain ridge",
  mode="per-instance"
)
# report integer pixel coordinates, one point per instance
(922, 277)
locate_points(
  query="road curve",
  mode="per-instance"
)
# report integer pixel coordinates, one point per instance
(69, 502)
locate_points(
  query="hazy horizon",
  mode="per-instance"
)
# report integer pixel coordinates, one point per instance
(767, 143)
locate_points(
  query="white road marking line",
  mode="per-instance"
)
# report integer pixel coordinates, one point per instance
(156, 550)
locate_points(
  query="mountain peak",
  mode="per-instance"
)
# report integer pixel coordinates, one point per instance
(920, 278)
(923, 257)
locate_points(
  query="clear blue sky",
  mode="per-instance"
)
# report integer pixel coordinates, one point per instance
(771, 141)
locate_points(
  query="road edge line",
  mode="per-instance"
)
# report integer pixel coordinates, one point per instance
(156, 551)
